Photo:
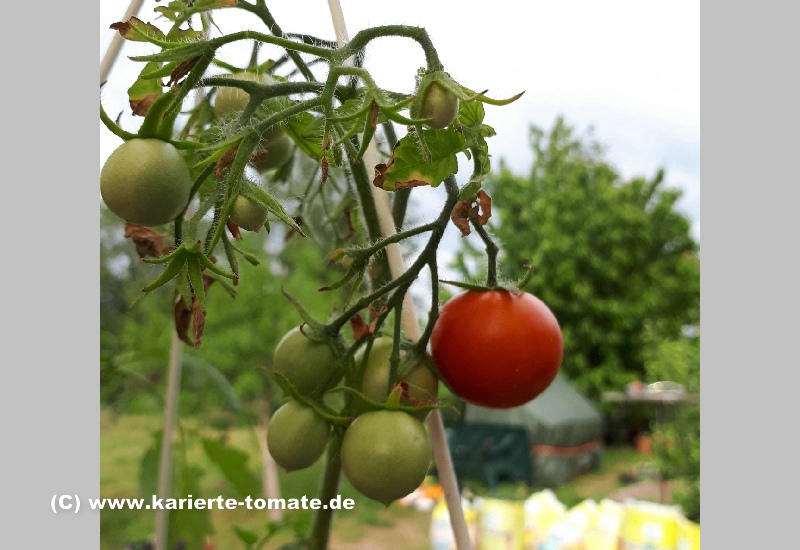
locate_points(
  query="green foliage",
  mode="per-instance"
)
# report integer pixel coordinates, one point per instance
(611, 257)
(677, 446)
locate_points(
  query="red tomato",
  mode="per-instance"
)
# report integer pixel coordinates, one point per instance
(497, 349)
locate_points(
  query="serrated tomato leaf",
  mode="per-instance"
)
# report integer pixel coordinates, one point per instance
(407, 167)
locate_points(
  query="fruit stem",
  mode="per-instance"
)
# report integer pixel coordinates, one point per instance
(491, 254)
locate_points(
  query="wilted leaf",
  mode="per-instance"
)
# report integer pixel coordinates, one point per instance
(234, 229)
(225, 161)
(181, 70)
(198, 321)
(148, 242)
(361, 331)
(477, 208)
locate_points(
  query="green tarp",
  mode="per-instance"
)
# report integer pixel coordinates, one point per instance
(564, 432)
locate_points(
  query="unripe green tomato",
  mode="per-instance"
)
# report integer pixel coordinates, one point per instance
(278, 150)
(146, 182)
(386, 454)
(422, 382)
(296, 436)
(440, 105)
(247, 214)
(230, 100)
(310, 366)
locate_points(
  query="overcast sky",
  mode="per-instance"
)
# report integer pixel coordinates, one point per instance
(627, 68)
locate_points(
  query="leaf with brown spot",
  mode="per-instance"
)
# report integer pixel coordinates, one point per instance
(148, 242)
(380, 174)
(136, 30)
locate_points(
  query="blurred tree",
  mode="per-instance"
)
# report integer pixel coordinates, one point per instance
(677, 445)
(610, 256)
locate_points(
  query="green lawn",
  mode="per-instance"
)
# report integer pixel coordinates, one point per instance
(125, 439)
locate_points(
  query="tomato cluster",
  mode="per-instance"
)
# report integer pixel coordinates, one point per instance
(376, 441)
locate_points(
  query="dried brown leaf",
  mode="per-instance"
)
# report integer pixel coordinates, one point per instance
(181, 70)
(225, 161)
(460, 217)
(361, 330)
(198, 321)
(148, 241)
(183, 318)
(234, 229)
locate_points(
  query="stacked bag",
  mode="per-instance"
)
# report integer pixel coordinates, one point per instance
(542, 522)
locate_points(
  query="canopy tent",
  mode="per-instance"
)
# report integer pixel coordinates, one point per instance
(544, 442)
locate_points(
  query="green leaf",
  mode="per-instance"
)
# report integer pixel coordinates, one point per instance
(213, 377)
(137, 30)
(189, 528)
(232, 463)
(408, 168)
(148, 467)
(145, 90)
(247, 537)
(265, 200)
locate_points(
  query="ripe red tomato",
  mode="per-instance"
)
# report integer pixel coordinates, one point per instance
(497, 349)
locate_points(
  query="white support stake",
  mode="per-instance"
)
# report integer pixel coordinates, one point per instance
(441, 453)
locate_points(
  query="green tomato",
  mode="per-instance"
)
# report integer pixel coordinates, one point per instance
(422, 382)
(230, 100)
(440, 105)
(310, 366)
(386, 454)
(296, 436)
(278, 149)
(247, 214)
(146, 182)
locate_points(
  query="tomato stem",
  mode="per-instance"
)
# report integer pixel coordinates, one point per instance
(491, 254)
(328, 489)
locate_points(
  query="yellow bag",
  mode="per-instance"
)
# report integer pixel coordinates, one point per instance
(688, 535)
(604, 531)
(649, 526)
(542, 510)
(567, 533)
(501, 525)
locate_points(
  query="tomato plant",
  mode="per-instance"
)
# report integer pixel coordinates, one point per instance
(146, 182)
(297, 437)
(286, 118)
(497, 348)
(386, 454)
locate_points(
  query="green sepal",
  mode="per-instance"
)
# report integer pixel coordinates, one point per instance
(173, 269)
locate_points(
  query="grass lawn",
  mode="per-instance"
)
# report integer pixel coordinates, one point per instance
(125, 439)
